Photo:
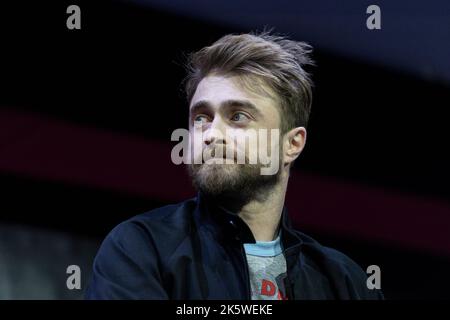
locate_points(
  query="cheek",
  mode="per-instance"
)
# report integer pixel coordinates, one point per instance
(195, 144)
(244, 139)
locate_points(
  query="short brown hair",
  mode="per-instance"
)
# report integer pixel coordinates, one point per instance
(275, 59)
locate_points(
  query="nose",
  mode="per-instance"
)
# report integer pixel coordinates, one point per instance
(215, 133)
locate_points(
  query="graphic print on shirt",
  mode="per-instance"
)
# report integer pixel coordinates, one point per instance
(266, 277)
(267, 269)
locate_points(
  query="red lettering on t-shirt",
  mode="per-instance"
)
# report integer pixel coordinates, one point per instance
(267, 288)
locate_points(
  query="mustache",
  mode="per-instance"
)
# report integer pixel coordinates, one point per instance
(214, 152)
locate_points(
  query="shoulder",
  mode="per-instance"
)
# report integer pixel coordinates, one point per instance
(349, 279)
(157, 220)
(160, 228)
(129, 263)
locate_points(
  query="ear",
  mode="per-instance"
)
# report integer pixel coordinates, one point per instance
(294, 141)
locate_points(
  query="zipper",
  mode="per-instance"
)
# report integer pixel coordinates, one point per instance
(247, 274)
(289, 267)
(287, 286)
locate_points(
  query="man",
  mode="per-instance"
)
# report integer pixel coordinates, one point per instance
(234, 240)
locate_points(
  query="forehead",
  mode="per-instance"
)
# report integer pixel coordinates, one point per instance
(216, 88)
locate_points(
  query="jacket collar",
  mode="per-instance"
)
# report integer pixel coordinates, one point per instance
(229, 226)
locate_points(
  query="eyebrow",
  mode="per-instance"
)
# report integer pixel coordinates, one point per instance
(245, 104)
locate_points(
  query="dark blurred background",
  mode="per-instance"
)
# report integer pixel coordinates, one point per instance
(86, 118)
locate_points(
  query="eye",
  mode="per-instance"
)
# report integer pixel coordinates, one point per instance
(200, 119)
(239, 116)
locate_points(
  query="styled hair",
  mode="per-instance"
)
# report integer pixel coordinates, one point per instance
(276, 60)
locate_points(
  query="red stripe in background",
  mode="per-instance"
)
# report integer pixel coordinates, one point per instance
(50, 149)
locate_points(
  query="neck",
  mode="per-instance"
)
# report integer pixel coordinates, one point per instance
(263, 215)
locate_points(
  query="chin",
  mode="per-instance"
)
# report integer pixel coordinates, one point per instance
(217, 173)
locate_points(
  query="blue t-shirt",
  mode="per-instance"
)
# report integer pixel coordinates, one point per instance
(267, 268)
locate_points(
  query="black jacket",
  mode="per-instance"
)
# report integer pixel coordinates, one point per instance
(193, 250)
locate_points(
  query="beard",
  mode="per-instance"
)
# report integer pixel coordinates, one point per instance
(236, 182)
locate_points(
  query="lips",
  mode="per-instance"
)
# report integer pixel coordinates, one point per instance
(211, 152)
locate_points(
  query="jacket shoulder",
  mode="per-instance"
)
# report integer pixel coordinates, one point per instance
(347, 276)
(163, 228)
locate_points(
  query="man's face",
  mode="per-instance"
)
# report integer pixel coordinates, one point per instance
(223, 112)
